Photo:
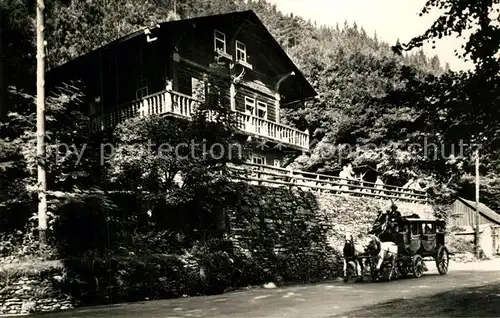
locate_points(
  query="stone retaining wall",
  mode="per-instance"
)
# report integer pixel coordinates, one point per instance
(305, 218)
(34, 292)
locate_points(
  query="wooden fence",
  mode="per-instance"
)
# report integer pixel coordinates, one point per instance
(280, 177)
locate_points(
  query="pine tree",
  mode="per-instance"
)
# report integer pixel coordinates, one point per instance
(447, 67)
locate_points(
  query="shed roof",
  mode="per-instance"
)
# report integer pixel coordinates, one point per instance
(483, 210)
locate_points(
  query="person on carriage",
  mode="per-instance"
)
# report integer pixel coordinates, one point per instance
(395, 217)
(386, 223)
(394, 212)
(379, 227)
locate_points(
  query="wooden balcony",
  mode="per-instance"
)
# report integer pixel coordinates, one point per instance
(176, 104)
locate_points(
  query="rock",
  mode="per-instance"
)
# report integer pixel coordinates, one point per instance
(269, 285)
(28, 306)
(58, 278)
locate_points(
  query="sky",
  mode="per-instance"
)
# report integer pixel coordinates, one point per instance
(390, 19)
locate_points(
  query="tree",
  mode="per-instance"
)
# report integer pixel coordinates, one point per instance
(16, 47)
(77, 27)
(181, 165)
(461, 17)
(69, 157)
(447, 67)
(467, 102)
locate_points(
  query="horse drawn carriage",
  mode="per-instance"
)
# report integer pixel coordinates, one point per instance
(398, 246)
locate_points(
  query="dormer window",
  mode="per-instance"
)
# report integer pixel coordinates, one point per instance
(258, 160)
(219, 41)
(241, 52)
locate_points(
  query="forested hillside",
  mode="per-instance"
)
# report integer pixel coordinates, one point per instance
(375, 107)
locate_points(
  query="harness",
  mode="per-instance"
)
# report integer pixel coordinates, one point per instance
(378, 247)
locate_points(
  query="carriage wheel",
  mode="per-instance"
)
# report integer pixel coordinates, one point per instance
(418, 268)
(403, 268)
(442, 260)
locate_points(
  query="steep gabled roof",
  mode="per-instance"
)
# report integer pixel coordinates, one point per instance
(308, 90)
(483, 210)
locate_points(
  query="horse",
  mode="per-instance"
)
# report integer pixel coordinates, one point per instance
(381, 252)
(351, 251)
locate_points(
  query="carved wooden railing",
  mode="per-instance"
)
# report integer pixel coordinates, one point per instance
(273, 176)
(265, 128)
(181, 105)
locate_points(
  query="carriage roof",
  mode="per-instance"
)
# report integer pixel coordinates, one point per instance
(439, 222)
(418, 220)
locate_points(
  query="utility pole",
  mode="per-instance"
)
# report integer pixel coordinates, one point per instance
(40, 125)
(477, 203)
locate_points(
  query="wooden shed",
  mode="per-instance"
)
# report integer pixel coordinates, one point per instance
(463, 215)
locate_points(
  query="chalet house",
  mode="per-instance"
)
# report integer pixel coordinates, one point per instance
(159, 71)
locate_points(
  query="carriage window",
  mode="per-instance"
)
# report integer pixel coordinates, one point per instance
(439, 228)
(415, 229)
(429, 228)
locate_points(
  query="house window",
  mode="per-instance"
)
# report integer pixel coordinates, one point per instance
(241, 51)
(219, 41)
(197, 88)
(261, 109)
(258, 160)
(277, 163)
(142, 90)
(249, 106)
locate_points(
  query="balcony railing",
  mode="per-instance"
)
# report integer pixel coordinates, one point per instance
(181, 105)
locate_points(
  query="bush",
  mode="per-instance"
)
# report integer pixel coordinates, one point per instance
(124, 278)
(210, 267)
(308, 267)
(457, 244)
(206, 268)
(29, 267)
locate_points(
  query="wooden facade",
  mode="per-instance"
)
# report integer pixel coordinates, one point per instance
(463, 214)
(158, 71)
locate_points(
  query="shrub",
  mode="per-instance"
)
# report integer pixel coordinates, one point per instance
(457, 244)
(29, 267)
(208, 267)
